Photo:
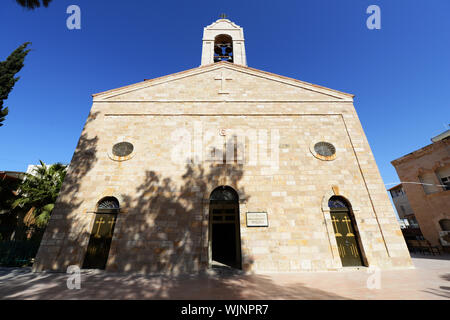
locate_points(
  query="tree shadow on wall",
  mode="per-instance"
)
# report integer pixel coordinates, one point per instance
(163, 224)
(162, 228)
(166, 224)
(63, 231)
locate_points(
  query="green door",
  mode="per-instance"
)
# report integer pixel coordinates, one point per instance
(346, 237)
(100, 241)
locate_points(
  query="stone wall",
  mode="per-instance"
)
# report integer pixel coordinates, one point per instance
(429, 208)
(163, 223)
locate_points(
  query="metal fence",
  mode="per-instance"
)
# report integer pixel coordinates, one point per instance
(20, 251)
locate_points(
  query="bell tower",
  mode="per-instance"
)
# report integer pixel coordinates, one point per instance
(223, 41)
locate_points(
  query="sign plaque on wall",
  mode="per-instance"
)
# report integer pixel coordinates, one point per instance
(257, 219)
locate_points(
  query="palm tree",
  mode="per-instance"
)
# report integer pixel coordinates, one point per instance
(38, 193)
(33, 4)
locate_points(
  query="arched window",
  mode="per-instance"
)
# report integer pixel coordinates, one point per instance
(223, 48)
(337, 203)
(224, 194)
(108, 205)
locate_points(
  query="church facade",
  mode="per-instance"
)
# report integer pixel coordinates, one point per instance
(222, 164)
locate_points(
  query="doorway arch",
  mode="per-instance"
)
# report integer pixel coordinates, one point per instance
(346, 232)
(102, 232)
(224, 227)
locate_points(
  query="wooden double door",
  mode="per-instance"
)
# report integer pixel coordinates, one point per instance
(225, 243)
(346, 237)
(100, 241)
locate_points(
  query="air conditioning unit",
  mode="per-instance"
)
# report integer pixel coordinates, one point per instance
(445, 238)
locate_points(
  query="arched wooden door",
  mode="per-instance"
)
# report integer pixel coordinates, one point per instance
(101, 236)
(225, 238)
(345, 232)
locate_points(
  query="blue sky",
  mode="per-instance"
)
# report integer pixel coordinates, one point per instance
(399, 74)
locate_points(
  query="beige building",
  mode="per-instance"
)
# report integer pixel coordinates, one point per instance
(402, 205)
(223, 164)
(425, 176)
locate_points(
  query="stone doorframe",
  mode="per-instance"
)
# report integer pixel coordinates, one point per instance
(354, 210)
(206, 255)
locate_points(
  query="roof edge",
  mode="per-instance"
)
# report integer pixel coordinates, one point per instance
(230, 65)
(424, 150)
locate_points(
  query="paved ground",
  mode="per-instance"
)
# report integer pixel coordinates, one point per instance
(429, 280)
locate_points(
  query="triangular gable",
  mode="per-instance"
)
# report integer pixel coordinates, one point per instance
(223, 81)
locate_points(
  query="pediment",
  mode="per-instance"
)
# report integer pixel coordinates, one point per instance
(223, 24)
(223, 82)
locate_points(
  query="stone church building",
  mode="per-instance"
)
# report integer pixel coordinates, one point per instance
(222, 164)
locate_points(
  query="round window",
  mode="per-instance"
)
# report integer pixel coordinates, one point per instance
(325, 149)
(122, 149)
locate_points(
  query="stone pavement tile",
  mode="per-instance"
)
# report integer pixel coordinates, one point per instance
(430, 280)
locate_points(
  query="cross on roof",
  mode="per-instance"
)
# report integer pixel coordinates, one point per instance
(223, 16)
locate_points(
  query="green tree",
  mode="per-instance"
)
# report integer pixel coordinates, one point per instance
(8, 69)
(38, 192)
(33, 4)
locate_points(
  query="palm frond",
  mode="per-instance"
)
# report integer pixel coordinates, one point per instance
(40, 190)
